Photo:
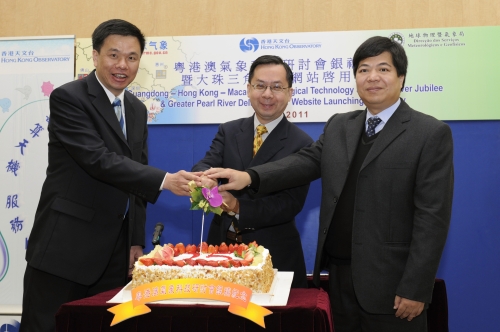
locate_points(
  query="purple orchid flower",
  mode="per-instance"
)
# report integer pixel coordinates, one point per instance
(212, 196)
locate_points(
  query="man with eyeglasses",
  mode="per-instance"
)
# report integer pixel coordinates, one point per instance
(266, 136)
(387, 190)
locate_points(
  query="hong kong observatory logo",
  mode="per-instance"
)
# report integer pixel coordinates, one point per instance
(397, 37)
(249, 44)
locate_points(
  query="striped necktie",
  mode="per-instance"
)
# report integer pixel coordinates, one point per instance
(117, 104)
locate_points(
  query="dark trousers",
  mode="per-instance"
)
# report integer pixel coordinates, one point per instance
(44, 293)
(349, 316)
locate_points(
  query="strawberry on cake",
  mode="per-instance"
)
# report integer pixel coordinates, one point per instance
(247, 265)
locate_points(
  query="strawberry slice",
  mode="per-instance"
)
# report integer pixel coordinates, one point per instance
(146, 261)
(223, 249)
(190, 261)
(231, 248)
(204, 247)
(212, 263)
(225, 264)
(202, 262)
(235, 263)
(168, 261)
(253, 244)
(181, 248)
(249, 256)
(244, 263)
(240, 251)
(180, 263)
(190, 249)
(158, 258)
(211, 249)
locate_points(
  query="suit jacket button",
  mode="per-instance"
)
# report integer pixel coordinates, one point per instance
(335, 199)
(324, 231)
(120, 216)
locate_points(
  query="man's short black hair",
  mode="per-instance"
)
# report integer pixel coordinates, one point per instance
(116, 27)
(377, 45)
(271, 59)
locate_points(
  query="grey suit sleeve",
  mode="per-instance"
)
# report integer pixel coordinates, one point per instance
(433, 196)
(297, 169)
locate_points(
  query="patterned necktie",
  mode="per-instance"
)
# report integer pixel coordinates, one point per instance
(117, 104)
(372, 123)
(257, 141)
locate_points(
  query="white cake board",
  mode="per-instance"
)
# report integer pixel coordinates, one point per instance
(277, 295)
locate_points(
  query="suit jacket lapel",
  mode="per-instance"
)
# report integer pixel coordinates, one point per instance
(392, 129)
(103, 106)
(354, 130)
(273, 143)
(243, 138)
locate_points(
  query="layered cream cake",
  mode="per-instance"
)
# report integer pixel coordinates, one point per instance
(246, 265)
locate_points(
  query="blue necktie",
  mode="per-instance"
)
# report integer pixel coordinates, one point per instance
(117, 104)
(372, 124)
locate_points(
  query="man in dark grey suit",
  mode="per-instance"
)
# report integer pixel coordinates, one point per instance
(269, 219)
(387, 179)
(89, 224)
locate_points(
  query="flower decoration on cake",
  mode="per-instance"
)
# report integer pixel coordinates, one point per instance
(206, 199)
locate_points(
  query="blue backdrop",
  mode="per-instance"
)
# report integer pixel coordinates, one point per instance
(471, 261)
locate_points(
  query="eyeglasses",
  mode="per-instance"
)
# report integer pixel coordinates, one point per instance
(276, 88)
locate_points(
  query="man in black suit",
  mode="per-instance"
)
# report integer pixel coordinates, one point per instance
(387, 179)
(89, 224)
(269, 219)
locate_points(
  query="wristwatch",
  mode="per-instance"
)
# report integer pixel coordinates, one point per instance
(236, 208)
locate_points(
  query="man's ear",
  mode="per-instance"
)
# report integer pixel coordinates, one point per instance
(401, 80)
(95, 56)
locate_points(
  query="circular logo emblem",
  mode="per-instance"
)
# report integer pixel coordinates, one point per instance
(249, 44)
(397, 37)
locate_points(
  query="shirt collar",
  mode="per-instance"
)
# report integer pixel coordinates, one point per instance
(110, 95)
(385, 114)
(269, 126)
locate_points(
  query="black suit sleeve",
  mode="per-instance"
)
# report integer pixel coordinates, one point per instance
(75, 128)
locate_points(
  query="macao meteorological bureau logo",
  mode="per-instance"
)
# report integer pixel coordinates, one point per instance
(397, 37)
(249, 44)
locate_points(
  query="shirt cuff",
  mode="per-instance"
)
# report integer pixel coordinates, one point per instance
(164, 179)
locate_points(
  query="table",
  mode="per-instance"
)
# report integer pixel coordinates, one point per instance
(307, 310)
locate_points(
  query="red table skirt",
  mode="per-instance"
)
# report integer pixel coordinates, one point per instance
(307, 310)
